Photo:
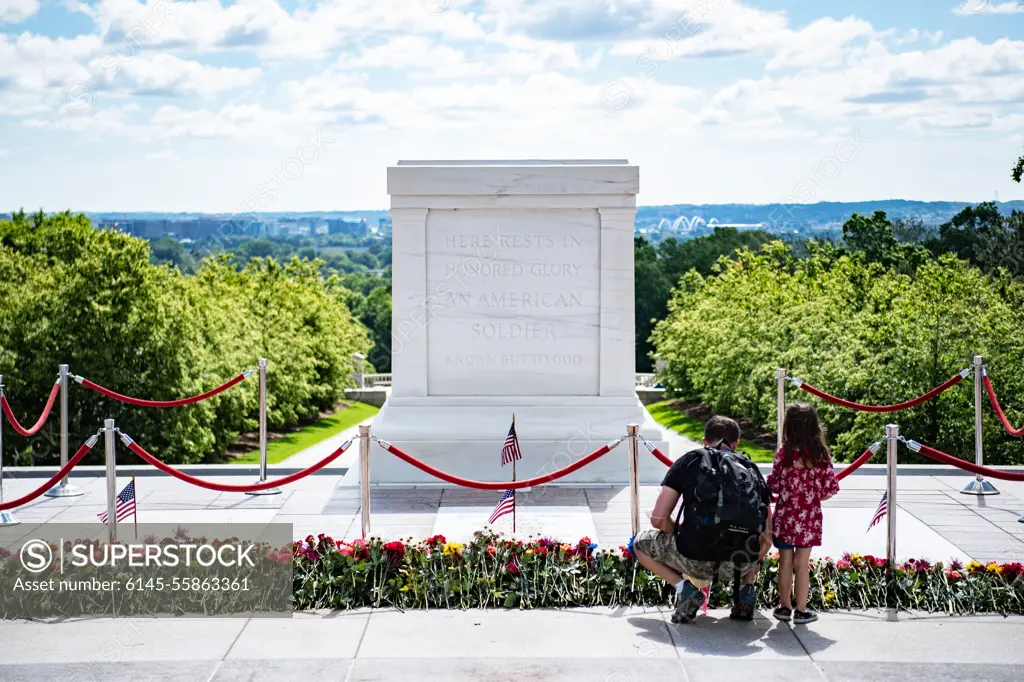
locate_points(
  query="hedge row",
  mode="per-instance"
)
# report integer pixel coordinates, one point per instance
(89, 298)
(854, 329)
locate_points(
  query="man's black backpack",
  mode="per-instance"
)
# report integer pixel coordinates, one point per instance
(722, 518)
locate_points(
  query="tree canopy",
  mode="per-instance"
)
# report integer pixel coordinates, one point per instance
(90, 298)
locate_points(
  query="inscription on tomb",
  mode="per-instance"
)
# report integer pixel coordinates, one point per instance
(513, 302)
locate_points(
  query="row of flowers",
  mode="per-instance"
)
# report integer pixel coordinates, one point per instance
(494, 571)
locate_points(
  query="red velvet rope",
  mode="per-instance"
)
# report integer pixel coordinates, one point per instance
(940, 456)
(506, 485)
(999, 410)
(42, 418)
(164, 403)
(228, 488)
(855, 464)
(952, 381)
(659, 455)
(25, 499)
(847, 470)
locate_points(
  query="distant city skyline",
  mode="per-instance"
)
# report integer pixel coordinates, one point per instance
(229, 106)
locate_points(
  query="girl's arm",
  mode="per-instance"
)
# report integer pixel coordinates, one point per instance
(774, 476)
(829, 484)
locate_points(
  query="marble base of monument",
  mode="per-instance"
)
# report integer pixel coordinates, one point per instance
(464, 436)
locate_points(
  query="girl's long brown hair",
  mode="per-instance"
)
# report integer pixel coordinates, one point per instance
(803, 437)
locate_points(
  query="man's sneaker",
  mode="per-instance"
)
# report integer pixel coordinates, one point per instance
(804, 617)
(783, 613)
(688, 602)
(746, 600)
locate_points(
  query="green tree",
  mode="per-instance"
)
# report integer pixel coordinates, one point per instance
(855, 328)
(170, 250)
(874, 236)
(651, 289)
(657, 269)
(92, 299)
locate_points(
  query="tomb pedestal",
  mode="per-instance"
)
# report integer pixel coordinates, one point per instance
(512, 294)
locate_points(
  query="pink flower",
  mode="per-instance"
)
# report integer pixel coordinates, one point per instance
(512, 568)
(843, 563)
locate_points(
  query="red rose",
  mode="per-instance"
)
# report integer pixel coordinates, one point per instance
(395, 551)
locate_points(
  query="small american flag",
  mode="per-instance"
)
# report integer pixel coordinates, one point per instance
(510, 451)
(125, 504)
(506, 505)
(883, 507)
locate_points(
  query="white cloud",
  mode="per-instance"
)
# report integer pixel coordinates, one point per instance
(165, 155)
(35, 70)
(976, 7)
(247, 121)
(167, 75)
(265, 27)
(17, 11)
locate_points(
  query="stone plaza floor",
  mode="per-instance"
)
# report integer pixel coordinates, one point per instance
(935, 521)
(574, 645)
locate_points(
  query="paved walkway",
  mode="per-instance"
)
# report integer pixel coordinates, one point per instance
(602, 645)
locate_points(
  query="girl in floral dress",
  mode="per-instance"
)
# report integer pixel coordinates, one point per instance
(802, 478)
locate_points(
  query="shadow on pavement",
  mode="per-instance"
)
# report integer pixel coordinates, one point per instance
(811, 640)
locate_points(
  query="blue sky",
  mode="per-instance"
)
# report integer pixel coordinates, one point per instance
(211, 105)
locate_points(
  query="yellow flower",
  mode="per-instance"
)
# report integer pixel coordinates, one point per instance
(830, 597)
(855, 556)
(993, 567)
(529, 552)
(973, 566)
(451, 548)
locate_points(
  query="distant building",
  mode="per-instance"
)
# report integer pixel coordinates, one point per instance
(384, 226)
(355, 228)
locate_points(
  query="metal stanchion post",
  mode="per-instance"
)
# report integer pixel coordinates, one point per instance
(632, 433)
(263, 432)
(979, 486)
(780, 416)
(110, 446)
(7, 518)
(892, 434)
(364, 478)
(64, 489)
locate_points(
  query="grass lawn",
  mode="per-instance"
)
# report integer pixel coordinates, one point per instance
(693, 428)
(300, 439)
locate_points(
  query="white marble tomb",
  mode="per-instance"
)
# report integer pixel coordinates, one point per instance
(512, 294)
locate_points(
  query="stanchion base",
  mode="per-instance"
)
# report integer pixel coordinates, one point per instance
(65, 491)
(8, 519)
(977, 487)
(268, 491)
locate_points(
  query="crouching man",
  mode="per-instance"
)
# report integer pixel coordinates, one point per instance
(724, 525)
